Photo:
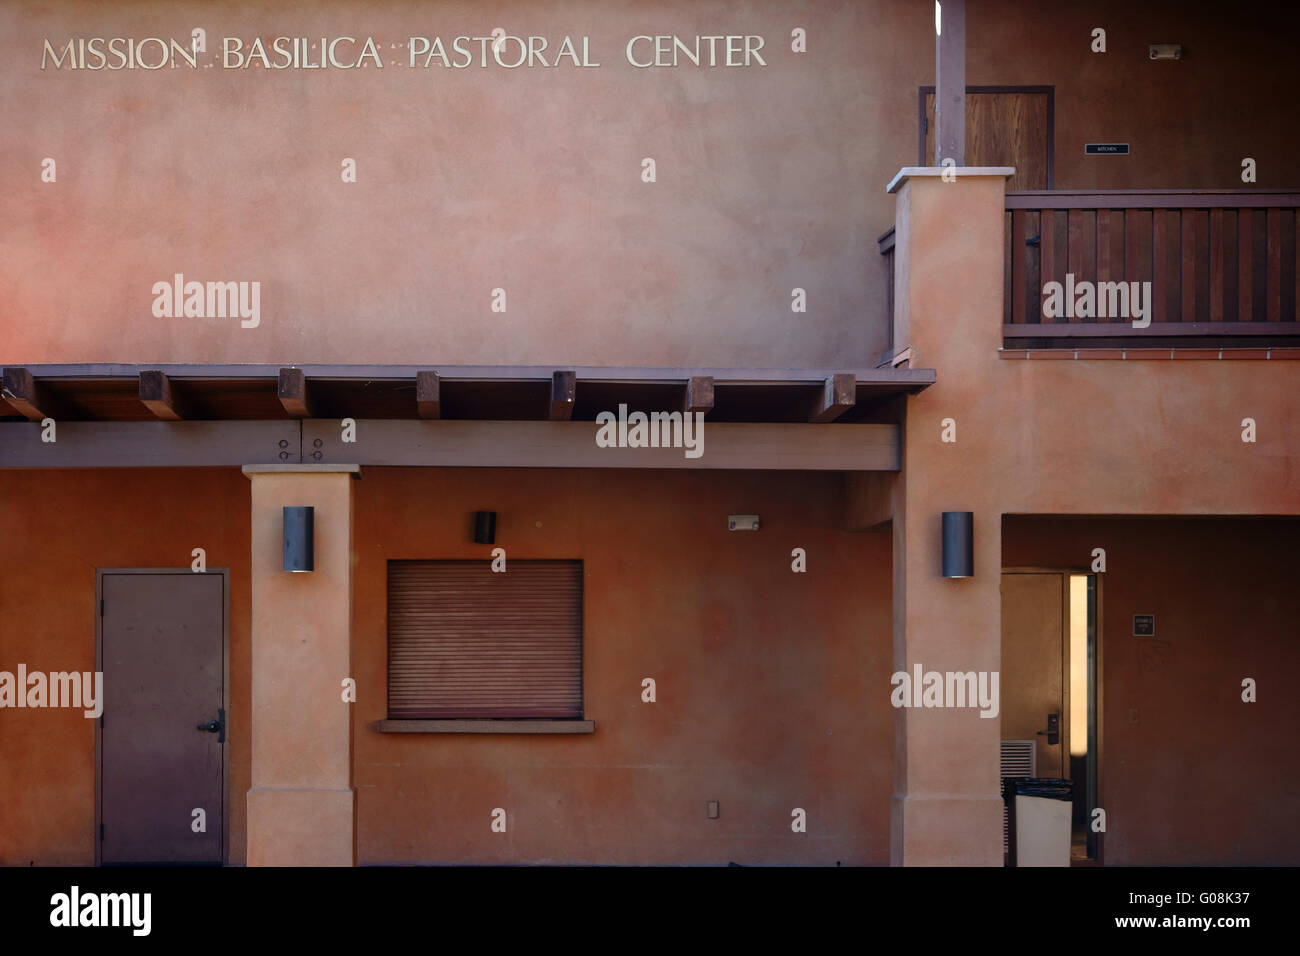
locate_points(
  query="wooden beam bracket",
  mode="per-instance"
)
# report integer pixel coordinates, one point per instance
(699, 394)
(294, 394)
(839, 394)
(428, 394)
(29, 397)
(564, 386)
(158, 395)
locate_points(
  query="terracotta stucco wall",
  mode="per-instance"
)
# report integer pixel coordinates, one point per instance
(1070, 437)
(769, 178)
(65, 525)
(1039, 437)
(1190, 773)
(468, 180)
(772, 686)
(1189, 122)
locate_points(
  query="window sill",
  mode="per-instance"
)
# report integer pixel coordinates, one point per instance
(477, 726)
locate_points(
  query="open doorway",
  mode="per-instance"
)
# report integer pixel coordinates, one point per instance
(1050, 666)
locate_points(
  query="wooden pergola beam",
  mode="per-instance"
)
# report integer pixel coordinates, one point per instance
(699, 394)
(436, 444)
(839, 394)
(29, 397)
(521, 444)
(293, 393)
(428, 394)
(234, 392)
(186, 444)
(564, 388)
(157, 395)
(183, 374)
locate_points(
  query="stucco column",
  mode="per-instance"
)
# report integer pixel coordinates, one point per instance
(301, 808)
(947, 808)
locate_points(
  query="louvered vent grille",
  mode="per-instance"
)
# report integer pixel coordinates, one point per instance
(1017, 761)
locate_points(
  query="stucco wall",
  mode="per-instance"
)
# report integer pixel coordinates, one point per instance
(65, 524)
(769, 178)
(772, 686)
(1191, 774)
(1041, 437)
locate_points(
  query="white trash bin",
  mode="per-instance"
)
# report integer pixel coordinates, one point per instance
(1043, 821)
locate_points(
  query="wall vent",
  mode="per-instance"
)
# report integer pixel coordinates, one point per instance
(1017, 761)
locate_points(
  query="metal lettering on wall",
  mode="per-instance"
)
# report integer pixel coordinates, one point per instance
(498, 48)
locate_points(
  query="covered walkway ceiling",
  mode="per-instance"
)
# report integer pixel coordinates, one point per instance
(144, 393)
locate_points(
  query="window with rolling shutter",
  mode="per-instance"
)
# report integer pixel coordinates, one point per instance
(465, 642)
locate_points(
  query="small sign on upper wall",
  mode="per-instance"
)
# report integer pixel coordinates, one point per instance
(1144, 625)
(1105, 149)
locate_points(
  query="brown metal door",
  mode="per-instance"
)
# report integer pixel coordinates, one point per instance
(1034, 642)
(1008, 127)
(163, 655)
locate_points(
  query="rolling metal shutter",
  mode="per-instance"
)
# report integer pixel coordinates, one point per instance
(466, 642)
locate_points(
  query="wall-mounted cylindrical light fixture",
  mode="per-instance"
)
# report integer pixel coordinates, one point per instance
(299, 538)
(485, 527)
(958, 544)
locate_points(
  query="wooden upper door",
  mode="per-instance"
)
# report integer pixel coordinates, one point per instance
(163, 651)
(1005, 126)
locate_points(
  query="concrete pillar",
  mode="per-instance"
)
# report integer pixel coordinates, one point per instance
(302, 806)
(947, 808)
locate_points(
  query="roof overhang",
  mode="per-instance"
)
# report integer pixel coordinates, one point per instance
(126, 393)
(465, 416)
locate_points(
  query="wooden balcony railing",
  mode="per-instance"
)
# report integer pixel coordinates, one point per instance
(1221, 268)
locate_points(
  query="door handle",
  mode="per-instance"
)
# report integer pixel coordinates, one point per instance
(1053, 730)
(217, 726)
